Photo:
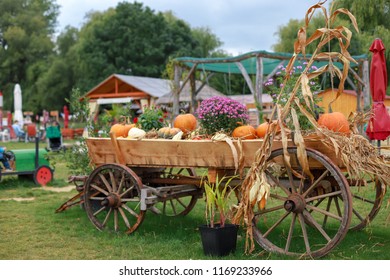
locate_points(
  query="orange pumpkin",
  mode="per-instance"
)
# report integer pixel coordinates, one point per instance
(119, 130)
(244, 132)
(261, 130)
(335, 121)
(186, 123)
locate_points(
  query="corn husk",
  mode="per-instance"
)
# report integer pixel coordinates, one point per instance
(354, 150)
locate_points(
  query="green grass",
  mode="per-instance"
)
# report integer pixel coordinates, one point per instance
(32, 230)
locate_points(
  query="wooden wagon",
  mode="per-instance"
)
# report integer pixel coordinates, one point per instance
(303, 217)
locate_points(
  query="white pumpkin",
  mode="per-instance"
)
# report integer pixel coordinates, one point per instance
(136, 133)
(178, 136)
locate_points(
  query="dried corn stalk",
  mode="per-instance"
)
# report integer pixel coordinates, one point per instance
(255, 187)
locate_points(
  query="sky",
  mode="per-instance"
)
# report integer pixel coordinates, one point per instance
(242, 25)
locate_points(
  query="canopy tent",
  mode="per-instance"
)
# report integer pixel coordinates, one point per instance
(263, 65)
(249, 61)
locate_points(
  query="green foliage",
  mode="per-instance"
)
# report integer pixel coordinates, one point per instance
(372, 17)
(130, 39)
(369, 13)
(77, 157)
(152, 118)
(26, 31)
(280, 93)
(218, 204)
(79, 106)
(208, 42)
(118, 113)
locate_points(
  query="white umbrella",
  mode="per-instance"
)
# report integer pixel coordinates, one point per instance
(18, 115)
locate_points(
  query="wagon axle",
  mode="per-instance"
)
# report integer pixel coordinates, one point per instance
(295, 203)
(112, 200)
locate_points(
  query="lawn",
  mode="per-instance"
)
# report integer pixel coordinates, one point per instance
(30, 229)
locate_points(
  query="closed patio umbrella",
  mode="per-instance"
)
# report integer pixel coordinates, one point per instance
(18, 115)
(378, 127)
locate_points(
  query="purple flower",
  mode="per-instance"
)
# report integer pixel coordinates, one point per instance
(221, 113)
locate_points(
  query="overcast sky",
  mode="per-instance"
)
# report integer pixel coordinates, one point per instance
(242, 25)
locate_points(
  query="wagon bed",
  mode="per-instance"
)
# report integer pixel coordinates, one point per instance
(313, 213)
(180, 153)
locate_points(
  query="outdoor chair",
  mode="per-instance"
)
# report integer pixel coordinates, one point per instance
(31, 132)
(5, 136)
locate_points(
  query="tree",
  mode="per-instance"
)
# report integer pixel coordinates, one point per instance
(208, 42)
(130, 39)
(373, 20)
(26, 29)
(55, 84)
(370, 14)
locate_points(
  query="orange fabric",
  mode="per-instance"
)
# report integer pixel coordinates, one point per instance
(31, 130)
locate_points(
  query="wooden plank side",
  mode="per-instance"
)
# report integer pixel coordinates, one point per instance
(100, 150)
(160, 152)
(184, 153)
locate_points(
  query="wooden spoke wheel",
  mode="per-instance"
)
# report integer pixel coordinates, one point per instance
(176, 205)
(304, 217)
(367, 200)
(112, 198)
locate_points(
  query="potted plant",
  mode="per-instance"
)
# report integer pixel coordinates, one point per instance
(218, 237)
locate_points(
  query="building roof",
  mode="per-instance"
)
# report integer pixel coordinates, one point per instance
(153, 86)
(185, 94)
(120, 86)
(124, 87)
(249, 98)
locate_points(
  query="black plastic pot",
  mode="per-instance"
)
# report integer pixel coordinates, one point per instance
(218, 241)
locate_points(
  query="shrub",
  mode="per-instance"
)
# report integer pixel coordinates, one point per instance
(152, 118)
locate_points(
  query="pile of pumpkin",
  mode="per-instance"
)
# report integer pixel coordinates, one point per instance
(184, 126)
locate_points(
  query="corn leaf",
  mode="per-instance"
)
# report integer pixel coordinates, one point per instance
(306, 91)
(300, 143)
(346, 12)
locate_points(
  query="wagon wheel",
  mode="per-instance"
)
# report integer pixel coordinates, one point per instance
(303, 217)
(112, 198)
(177, 206)
(367, 201)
